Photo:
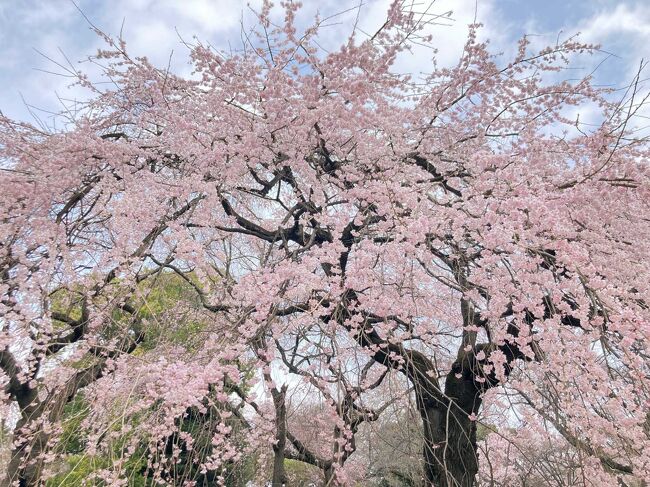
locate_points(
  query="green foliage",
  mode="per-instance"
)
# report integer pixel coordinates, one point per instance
(73, 415)
(79, 468)
(169, 294)
(302, 474)
(482, 430)
(167, 311)
(395, 478)
(66, 302)
(154, 299)
(74, 471)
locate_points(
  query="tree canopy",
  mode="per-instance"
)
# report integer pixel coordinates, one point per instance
(275, 259)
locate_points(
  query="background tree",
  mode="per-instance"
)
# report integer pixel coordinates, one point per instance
(458, 228)
(160, 321)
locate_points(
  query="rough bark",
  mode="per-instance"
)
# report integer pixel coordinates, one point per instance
(279, 475)
(329, 475)
(450, 450)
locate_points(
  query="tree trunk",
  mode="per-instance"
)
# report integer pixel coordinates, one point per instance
(279, 475)
(450, 458)
(450, 451)
(329, 476)
(24, 467)
(29, 475)
(13, 470)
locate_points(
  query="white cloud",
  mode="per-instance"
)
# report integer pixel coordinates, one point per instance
(449, 31)
(623, 19)
(624, 31)
(152, 28)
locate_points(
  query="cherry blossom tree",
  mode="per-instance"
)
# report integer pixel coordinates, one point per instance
(461, 232)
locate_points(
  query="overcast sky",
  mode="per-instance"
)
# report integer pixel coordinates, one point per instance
(155, 27)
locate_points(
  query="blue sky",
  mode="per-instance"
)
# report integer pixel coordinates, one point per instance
(152, 27)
